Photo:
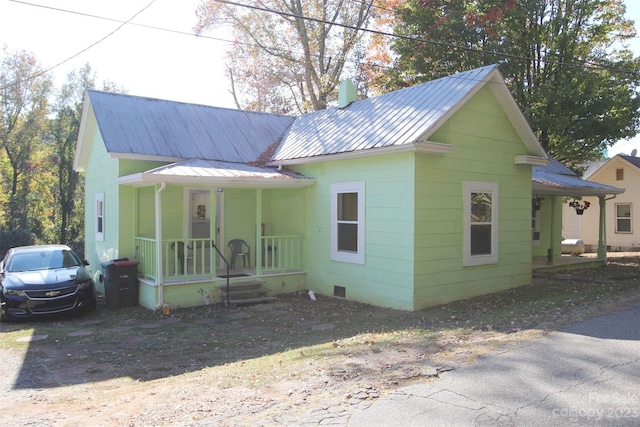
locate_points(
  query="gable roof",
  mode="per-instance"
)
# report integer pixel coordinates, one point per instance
(148, 128)
(595, 169)
(152, 129)
(557, 179)
(635, 161)
(406, 117)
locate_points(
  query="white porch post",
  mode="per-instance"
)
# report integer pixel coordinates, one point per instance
(160, 275)
(259, 231)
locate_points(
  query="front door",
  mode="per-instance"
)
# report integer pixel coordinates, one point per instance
(200, 228)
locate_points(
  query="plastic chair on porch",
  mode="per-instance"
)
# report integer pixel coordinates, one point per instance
(181, 258)
(240, 248)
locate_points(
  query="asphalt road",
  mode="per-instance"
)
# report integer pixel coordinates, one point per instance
(587, 374)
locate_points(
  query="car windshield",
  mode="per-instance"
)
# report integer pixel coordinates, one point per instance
(43, 260)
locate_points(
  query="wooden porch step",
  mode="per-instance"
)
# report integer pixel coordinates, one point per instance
(252, 300)
(243, 284)
(244, 292)
(239, 293)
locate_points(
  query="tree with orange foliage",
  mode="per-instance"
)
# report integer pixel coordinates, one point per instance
(288, 56)
(565, 62)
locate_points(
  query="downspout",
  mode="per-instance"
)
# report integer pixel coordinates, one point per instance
(602, 231)
(159, 271)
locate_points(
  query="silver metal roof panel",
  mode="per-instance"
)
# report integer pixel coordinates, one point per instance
(154, 127)
(396, 118)
(216, 173)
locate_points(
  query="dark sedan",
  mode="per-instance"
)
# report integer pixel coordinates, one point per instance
(43, 280)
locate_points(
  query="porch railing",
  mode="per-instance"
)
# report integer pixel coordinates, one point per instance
(188, 258)
(146, 256)
(282, 253)
(196, 258)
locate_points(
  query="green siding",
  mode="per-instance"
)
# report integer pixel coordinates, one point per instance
(100, 178)
(484, 147)
(173, 222)
(146, 212)
(284, 212)
(386, 278)
(240, 218)
(414, 227)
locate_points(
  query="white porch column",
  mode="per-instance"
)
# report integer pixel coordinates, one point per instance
(159, 272)
(259, 231)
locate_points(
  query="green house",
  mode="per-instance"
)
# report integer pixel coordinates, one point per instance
(410, 199)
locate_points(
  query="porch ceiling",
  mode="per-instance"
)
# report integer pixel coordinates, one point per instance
(219, 174)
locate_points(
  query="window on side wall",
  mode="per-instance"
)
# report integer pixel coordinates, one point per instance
(480, 223)
(347, 222)
(623, 218)
(100, 217)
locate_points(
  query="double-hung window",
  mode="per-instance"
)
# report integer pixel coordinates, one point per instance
(623, 218)
(480, 223)
(347, 222)
(99, 217)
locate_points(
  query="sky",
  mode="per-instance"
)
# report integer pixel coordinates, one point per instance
(167, 61)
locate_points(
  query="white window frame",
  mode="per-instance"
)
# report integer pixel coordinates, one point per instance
(99, 217)
(348, 256)
(480, 187)
(629, 218)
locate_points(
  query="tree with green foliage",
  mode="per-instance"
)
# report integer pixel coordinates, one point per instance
(24, 91)
(69, 190)
(288, 56)
(565, 62)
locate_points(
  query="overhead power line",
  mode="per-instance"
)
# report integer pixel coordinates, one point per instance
(123, 23)
(581, 63)
(590, 64)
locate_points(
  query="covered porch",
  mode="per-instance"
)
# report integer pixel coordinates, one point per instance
(553, 185)
(187, 217)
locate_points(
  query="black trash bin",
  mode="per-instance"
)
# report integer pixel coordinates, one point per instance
(120, 282)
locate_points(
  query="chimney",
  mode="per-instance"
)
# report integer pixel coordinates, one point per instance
(346, 93)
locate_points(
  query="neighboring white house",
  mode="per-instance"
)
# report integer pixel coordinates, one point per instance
(622, 224)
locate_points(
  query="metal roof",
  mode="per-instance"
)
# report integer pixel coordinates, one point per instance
(557, 179)
(159, 128)
(402, 117)
(217, 173)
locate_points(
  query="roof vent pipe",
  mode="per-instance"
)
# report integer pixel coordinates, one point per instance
(347, 93)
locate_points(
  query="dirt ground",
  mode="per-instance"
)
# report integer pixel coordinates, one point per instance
(292, 362)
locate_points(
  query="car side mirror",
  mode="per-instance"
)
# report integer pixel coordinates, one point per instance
(85, 262)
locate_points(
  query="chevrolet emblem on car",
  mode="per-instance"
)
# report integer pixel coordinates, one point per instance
(52, 293)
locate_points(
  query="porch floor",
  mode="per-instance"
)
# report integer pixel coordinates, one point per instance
(566, 262)
(235, 274)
